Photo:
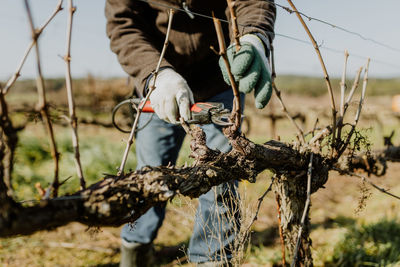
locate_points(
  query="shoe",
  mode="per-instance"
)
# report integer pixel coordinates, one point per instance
(136, 254)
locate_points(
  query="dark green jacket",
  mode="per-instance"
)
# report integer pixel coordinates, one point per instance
(137, 30)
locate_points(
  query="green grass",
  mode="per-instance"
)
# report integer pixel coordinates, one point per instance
(374, 244)
(33, 162)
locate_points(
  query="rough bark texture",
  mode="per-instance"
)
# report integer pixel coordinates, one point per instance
(292, 191)
(117, 200)
(291, 209)
(6, 203)
(9, 140)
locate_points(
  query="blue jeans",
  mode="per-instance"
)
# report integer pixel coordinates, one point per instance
(217, 217)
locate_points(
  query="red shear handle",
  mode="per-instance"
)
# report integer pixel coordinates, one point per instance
(197, 107)
(200, 106)
(147, 107)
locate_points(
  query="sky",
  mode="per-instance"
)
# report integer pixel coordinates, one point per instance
(91, 53)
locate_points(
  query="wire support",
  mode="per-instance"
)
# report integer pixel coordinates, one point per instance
(381, 62)
(289, 10)
(338, 51)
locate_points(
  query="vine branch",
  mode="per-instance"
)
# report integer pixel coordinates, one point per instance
(235, 29)
(151, 89)
(42, 104)
(236, 110)
(71, 103)
(365, 179)
(353, 89)
(327, 80)
(300, 132)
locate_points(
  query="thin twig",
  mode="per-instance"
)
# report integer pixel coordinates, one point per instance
(357, 116)
(141, 105)
(305, 212)
(71, 103)
(362, 97)
(235, 29)
(185, 126)
(236, 110)
(41, 191)
(300, 132)
(327, 80)
(365, 179)
(260, 201)
(273, 117)
(342, 92)
(320, 135)
(343, 83)
(278, 207)
(315, 127)
(17, 73)
(353, 89)
(42, 105)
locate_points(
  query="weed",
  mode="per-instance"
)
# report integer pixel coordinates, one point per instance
(362, 200)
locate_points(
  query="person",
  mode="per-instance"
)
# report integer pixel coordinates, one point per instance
(190, 72)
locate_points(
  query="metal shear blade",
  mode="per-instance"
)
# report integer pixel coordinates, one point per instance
(221, 118)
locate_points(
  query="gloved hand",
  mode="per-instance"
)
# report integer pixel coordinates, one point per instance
(172, 96)
(250, 68)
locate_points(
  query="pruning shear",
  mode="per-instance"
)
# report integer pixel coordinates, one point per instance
(201, 112)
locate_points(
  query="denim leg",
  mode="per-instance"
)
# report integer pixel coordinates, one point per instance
(217, 217)
(158, 143)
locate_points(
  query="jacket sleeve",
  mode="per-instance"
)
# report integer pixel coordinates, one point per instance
(255, 16)
(131, 36)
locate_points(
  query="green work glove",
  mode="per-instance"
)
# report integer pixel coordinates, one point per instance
(250, 68)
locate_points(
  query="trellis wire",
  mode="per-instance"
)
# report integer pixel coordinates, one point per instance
(297, 39)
